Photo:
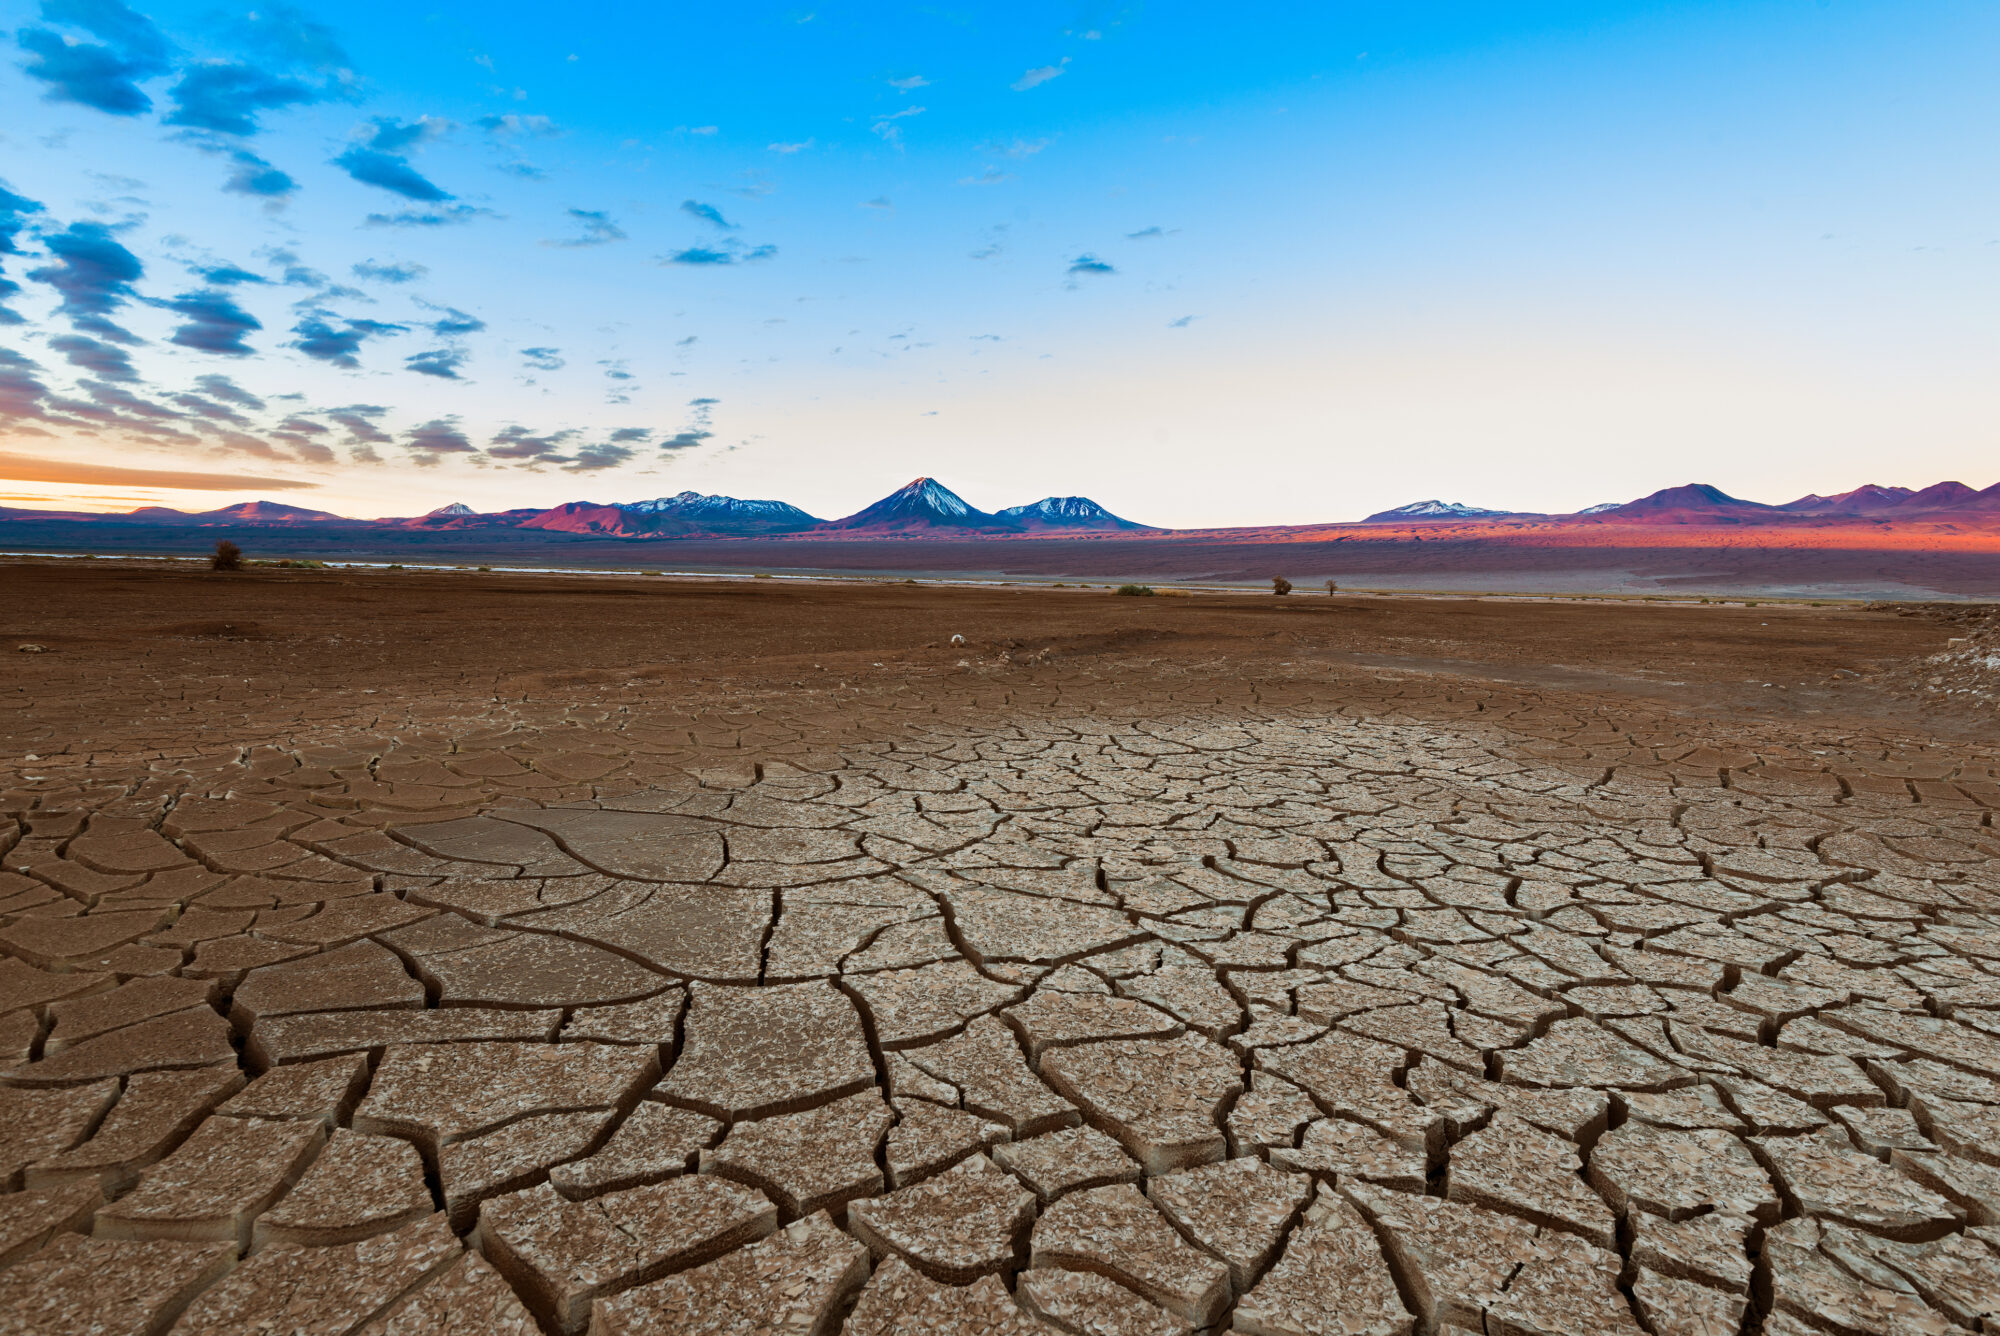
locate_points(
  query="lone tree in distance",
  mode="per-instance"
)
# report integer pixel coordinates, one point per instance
(228, 557)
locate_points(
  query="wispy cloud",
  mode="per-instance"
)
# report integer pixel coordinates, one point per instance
(1149, 233)
(1035, 78)
(326, 337)
(511, 126)
(909, 83)
(1020, 148)
(452, 322)
(597, 230)
(447, 217)
(431, 440)
(104, 360)
(992, 176)
(226, 97)
(215, 323)
(398, 272)
(725, 252)
(94, 273)
(442, 363)
(543, 359)
(799, 147)
(886, 126)
(104, 77)
(708, 213)
(1090, 264)
(381, 159)
(698, 431)
(227, 390)
(390, 172)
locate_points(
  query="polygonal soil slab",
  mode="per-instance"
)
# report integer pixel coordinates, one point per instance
(792, 1281)
(1161, 1098)
(78, 1285)
(216, 1183)
(1331, 1279)
(435, 1094)
(1679, 1174)
(1238, 1209)
(1116, 1232)
(808, 1161)
(321, 1289)
(752, 1052)
(964, 1223)
(983, 1064)
(901, 1301)
(562, 1255)
(641, 846)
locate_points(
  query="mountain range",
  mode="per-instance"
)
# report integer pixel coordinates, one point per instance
(1698, 502)
(927, 508)
(925, 505)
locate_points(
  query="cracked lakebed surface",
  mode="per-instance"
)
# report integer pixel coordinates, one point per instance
(1097, 996)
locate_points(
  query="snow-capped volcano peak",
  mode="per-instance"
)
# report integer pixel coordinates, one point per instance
(455, 508)
(922, 503)
(932, 495)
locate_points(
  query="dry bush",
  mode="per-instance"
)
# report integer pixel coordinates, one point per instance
(1280, 585)
(228, 557)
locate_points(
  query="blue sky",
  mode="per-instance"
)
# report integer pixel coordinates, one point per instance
(1275, 264)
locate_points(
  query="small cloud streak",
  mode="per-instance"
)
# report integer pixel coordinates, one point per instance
(726, 253)
(27, 468)
(1035, 78)
(708, 213)
(598, 230)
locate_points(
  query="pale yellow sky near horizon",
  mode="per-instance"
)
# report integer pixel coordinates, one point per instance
(1297, 431)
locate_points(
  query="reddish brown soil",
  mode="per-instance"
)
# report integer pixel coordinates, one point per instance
(125, 640)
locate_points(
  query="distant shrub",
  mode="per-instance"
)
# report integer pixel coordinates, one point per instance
(485, 568)
(1136, 591)
(1280, 585)
(1174, 593)
(393, 566)
(1333, 586)
(228, 557)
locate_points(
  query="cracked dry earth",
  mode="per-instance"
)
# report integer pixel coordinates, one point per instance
(1001, 1004)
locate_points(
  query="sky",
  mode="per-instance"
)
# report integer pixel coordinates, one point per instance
(1251, 264)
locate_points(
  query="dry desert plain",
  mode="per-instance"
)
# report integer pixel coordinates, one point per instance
(415, 954)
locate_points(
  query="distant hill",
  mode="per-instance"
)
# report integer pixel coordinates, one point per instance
(243, 512)
(1433, 510)
(1868, 500)
(1690, 501)
(1066, 512)
(724, 514)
